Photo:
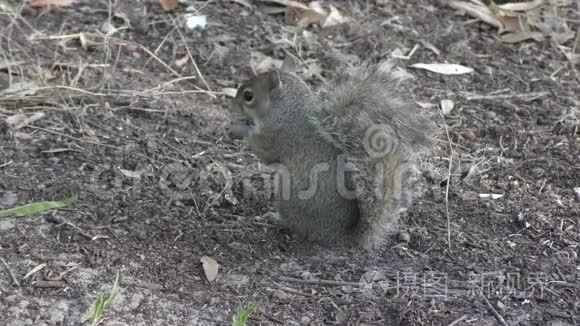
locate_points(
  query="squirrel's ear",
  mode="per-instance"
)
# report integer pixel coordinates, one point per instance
(289, 65)
(273, 78)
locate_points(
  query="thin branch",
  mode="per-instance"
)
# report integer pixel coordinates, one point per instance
(448, 179)
(494, 312)
(318, 282)
(12, 276)
(193, 60)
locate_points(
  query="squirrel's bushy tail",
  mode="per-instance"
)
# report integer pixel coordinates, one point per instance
(367, 115)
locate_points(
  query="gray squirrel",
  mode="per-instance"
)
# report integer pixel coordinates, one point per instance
(345, 156)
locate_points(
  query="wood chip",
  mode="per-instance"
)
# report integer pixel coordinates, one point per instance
(210, 268)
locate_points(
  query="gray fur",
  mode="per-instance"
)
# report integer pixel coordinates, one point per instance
(298, 130)
(368, 96)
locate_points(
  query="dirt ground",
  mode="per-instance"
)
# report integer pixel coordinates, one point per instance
(131, 125)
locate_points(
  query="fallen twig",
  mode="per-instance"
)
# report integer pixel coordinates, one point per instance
(12, 276)
(318, 282)
(494, 312)
(458, 320)
(477, 11)
(557, 313)
(572, 56)
(194, 63)
(448, 179)
(524, 96)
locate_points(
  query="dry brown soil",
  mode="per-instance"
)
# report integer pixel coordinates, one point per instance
(144, 146)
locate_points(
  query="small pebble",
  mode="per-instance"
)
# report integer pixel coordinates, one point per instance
(347, 289)
(280, 295)
(470, 135)
(500, 305)
(214, 301)
(341, 317)
(490, 115)
(140, 234)
(136, 300)
(6, 224)
(120, 219)
(404, 237)
(8, 199)
(577, 192)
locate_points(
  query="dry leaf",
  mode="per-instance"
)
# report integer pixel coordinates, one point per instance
(490, 196)
(444, 68)
(169, 5)
(334, 18)
(521, 36)
(447, 106)
(210, 268)
(34, 271)
(550, 22)
(288, 3)
(512, 23)
(503, 20)
(18, 121)
(230, 92)
(303, 17)
(132, 174)
(245, 3)
(21, 89)
(317, 6)
(521, 18)
(273, 10)
(430, 46)
(521, 6)
(425, 105)
(480, 12)
(48, 3)
(561, 38)
(15, 119)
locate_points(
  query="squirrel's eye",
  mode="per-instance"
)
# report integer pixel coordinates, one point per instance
(248, 96)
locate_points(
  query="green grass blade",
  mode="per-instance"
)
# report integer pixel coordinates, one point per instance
(39, 207)
(97, 311)
(243, 315)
